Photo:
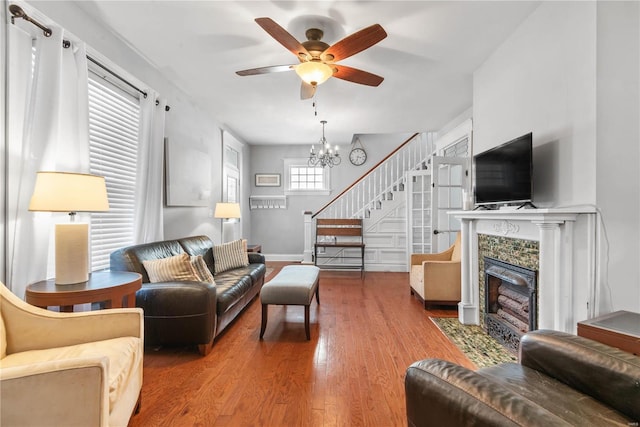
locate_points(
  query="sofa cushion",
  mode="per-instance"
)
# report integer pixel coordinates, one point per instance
(231, 286)
(176, 268)
(255, 270)
(201, 269)
(123, 355)
(199, 245)
(131, 257)
(230, 255)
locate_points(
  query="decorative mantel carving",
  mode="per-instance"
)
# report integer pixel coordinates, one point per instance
(563, 299)
(505, 228)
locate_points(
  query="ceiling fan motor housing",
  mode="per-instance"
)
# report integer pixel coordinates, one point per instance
(314, 45)
(318, 59)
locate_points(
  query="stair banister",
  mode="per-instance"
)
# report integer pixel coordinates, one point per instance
(365, 175)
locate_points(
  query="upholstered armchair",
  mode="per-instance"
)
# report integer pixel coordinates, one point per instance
(71, 369)
(435, 278)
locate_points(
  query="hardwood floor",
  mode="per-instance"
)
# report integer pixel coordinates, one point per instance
(364, 334)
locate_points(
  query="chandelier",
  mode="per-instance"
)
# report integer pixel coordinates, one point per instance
(327, 156)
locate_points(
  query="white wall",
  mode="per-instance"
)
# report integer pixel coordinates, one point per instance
(569, 74)
(280, 231)
(185, 117)
(618, 148)
(542, 80)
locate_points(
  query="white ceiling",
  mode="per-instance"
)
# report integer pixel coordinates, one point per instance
(427, 60)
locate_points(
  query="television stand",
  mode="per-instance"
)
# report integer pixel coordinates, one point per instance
(526, 204)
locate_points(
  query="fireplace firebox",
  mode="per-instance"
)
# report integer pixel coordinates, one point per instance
(510, 301)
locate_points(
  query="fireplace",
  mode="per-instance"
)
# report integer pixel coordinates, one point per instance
(510, 301)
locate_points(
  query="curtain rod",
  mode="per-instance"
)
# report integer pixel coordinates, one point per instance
(114, 74)
(18, 12)
(122, 79)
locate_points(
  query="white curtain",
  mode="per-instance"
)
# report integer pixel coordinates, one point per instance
(48, 130)
(149, 191)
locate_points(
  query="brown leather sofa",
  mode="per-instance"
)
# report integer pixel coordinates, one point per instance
(561, 380)
(187, 312)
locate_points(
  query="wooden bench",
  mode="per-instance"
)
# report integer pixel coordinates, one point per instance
(344, 234)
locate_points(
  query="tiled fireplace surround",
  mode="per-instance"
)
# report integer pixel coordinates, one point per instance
(560, 244)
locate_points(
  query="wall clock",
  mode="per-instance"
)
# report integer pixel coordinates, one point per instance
(358, 156)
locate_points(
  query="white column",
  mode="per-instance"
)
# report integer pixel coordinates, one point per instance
(549, 286)
(468, 310)
(307, 257)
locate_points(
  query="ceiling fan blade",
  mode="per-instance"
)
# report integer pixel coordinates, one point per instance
(307, 91)
(282, 36)
(356, 42)
(265, 70)
(356, 76)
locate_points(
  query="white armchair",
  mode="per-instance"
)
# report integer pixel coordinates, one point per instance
(71, 369)
(436, 278)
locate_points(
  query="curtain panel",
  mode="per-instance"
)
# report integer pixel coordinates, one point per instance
(48, 116)
(149, 185)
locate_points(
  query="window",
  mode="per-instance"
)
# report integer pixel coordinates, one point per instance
(300, 178)
(459, 148)
(113, 151)
(306, 178)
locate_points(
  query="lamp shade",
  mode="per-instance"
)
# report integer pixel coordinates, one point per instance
(69, 192)
(227, 210)
(313, 72)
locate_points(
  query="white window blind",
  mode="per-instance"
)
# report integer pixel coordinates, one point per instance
(113, 149)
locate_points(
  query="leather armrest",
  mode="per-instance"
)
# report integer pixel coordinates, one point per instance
(177, 298)
(256, 258)
(441, 393)
(607, 374)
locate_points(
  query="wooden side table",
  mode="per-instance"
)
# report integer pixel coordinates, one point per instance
(254, 248)
(619, 329)
(110, 287)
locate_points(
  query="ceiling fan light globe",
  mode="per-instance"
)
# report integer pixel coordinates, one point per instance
(314, 73)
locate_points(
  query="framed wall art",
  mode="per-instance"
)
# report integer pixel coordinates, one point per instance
(267, 180)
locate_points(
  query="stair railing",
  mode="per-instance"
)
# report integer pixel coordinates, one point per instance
(378, 183)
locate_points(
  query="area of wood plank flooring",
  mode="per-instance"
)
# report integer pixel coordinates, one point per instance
(364, 334)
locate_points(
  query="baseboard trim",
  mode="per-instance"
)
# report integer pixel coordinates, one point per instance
(284, 257)
(368, 267)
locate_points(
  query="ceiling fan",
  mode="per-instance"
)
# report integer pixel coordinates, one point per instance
(318, 59)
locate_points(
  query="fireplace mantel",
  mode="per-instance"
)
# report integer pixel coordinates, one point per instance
(567, 267)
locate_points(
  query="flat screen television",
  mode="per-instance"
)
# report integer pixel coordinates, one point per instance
(504, 174)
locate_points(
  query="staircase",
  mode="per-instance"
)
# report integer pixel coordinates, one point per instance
(378, 197)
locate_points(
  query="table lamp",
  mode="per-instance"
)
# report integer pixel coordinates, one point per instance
(226, 211)
(70, 192)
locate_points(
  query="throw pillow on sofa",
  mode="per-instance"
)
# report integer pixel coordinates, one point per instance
(200, 267)
(230, 255)
(175, 268)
